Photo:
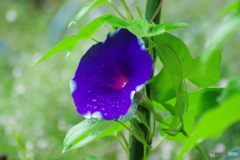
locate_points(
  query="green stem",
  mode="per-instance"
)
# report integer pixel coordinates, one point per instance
(123, 146)
(197, 146)
(139, 12)
(124, 140)
(94, 40)
(130, 16)
(201, 152)
(156, 146)
(120, 14)
(138, 150)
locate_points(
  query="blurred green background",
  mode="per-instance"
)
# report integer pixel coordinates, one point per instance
(35, 104)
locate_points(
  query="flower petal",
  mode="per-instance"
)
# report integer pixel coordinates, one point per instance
(109, 74)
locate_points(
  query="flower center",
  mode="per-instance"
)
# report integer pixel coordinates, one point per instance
(120, 82)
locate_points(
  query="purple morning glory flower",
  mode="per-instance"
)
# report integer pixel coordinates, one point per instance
(109, 74)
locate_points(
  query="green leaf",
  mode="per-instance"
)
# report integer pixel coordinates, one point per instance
(176, 58)
(139, 27)
(203, 100)
(133, 108)
(213, 123)
(234, 6)
(78, 132)
(115, 21)
(92, 158)
(90, 29)
(178, 136)
(225, 30)
(179, 65)
(232, 88)
(162, 28)
(86, 7)
(91, 136)
(169, 26)
(140, 23)
(205, 73)
(68, 43)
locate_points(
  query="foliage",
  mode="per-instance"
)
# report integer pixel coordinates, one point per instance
(192, 116)
(168, 87)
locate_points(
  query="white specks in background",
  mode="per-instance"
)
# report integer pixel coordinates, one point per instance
(219, 147)
(166, 149)
(62, 126)
(17, 72)
(36, 57)
(42, 143)
(29, 145)
(65, 74)
(11, 16)
(20, 89)
(222, 83)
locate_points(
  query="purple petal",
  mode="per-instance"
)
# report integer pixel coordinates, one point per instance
(109, 74)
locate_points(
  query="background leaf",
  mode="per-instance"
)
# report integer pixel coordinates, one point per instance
(223, 32)
(214, 123)
(233, 6)
(92, 158)
(232, 88)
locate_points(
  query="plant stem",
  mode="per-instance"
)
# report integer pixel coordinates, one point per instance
(196, 146)
(139, 12)
(138, 150)
(123, 146)
(94, 40)
(201, 152)
(155, 147)
(120, 14)
(130, 16)
(124, 139)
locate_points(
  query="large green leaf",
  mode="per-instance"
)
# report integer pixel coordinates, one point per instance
(175, 58)
(68, 43)
(179, 65)
(90, 29)
(86, 7)
(203, 100)
(232, 88)
(78, 132)
(205, 73)
(213, 123)
(91, 136)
